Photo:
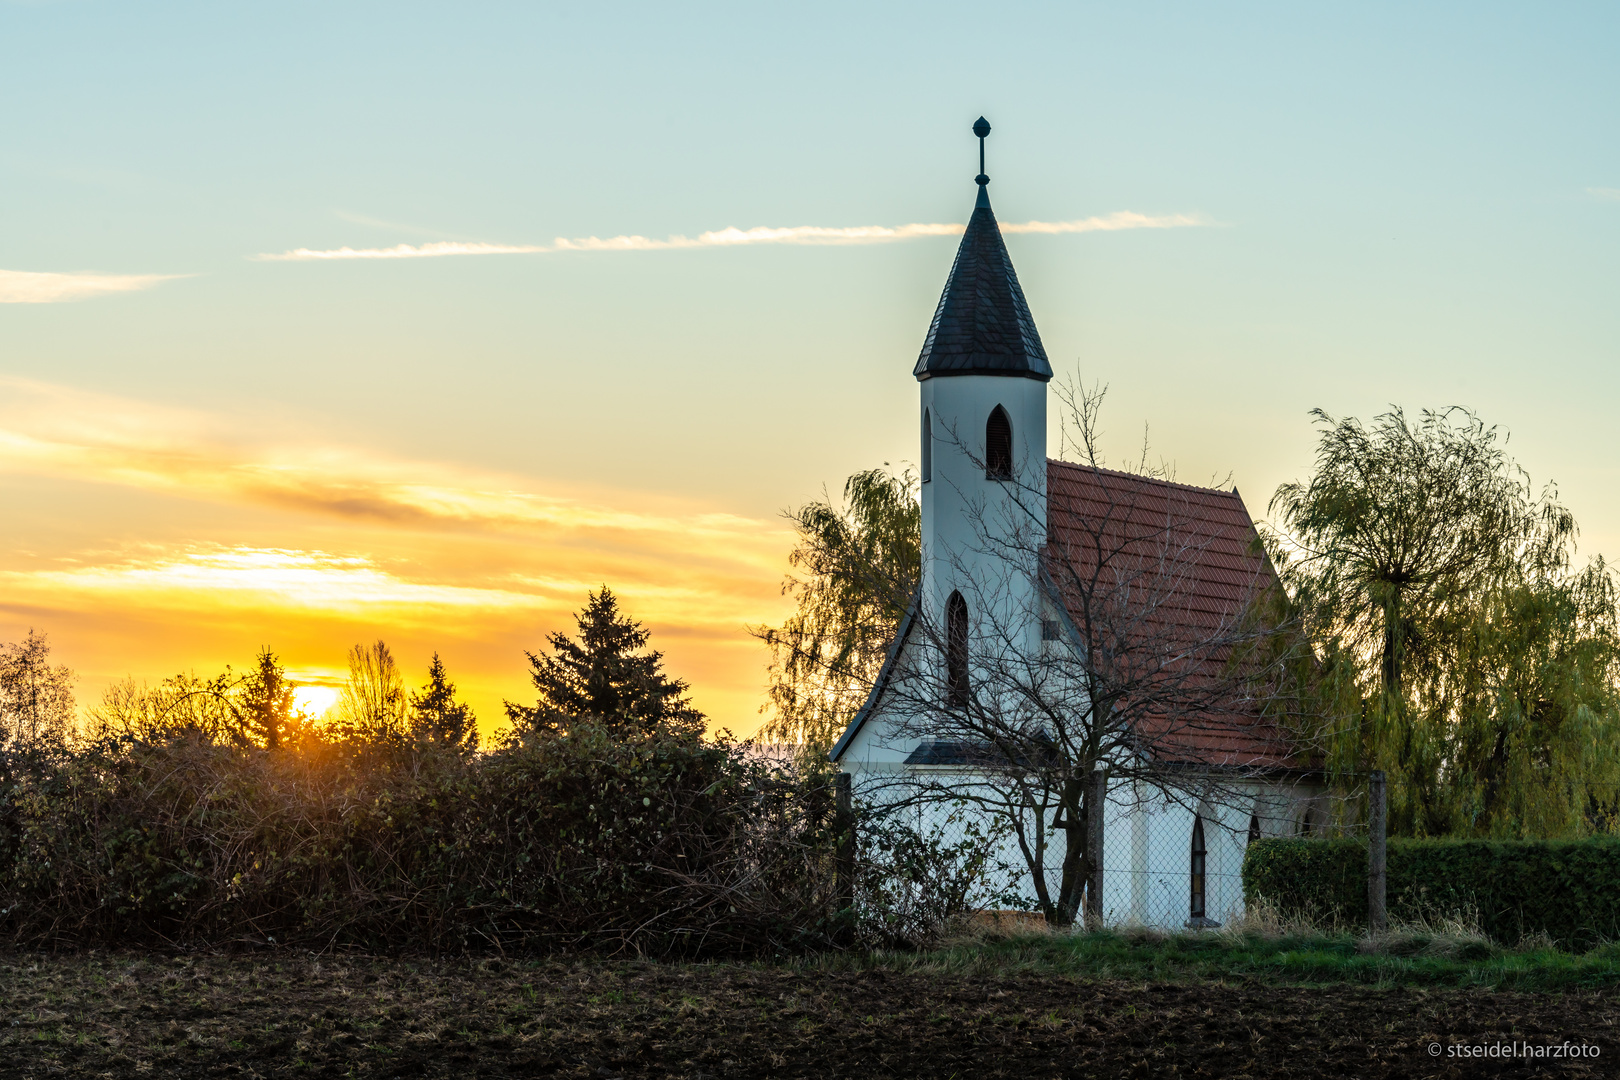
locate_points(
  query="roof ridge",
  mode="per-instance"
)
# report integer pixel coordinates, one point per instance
(1147, 479)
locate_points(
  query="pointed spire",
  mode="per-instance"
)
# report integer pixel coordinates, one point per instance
(982, 325)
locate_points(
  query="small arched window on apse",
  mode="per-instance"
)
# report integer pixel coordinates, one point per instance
(998, 452)
(927, 447)
(1254, 827)
(1196, 892)
(1308, 823)
(956, 650)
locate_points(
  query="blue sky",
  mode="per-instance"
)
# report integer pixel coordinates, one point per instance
(1417, 204)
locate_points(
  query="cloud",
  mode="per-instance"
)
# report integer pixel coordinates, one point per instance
(308, 546)
(403, 251)
(1120, 219)
(25, 287)
(735, 237)
(61, 431)
(1608, 194)
(258, 578)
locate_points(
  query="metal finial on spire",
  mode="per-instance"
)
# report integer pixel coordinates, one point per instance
(981, 128)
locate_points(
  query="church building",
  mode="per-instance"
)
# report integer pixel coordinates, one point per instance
(1038, 574)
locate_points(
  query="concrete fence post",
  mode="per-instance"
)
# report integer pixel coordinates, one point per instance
(844, 853)
(1377, 818)
(1094, 846)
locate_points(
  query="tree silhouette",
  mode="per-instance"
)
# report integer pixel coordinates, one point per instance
(855, 569)
(605, 676)
(266, 708)
(437, 716)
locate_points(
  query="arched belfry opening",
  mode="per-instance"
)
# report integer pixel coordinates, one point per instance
(956, 650)
(998, 452)
(927, 446)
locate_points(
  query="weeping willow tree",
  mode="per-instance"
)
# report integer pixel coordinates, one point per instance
(855, 568)
(1423, 561)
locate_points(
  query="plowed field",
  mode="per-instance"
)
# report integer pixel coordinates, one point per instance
(144, 1016)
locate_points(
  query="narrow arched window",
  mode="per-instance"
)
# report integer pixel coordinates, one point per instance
(1254, 828)
(998, 453)
(1196, 908)
(1307, 824)
(927, 447)
(956, 650)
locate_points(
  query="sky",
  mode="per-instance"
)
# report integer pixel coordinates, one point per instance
(325, 323)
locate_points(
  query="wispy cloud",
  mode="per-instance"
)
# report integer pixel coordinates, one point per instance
(1608, 194)
(403, 251)
(1119, 219)
(61, 431)
(735, 237)
(267, 577)
(27, 287)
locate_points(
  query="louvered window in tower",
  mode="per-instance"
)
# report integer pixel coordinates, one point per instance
(1198, 857)
(956, 650)
(998, 445)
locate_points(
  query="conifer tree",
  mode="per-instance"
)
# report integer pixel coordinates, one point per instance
(266, 703)
(605, 676)
(438, 717)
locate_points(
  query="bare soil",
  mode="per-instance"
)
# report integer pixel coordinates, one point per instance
(138, 1015)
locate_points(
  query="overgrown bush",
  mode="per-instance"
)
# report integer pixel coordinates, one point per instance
(1568, 890)
(915, 883)
(660, 845)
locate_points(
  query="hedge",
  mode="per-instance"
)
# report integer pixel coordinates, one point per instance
(661, 846)
(1569, 889)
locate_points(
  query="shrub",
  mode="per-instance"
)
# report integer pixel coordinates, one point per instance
(916, 883)
(1568, 890)
(659, 845)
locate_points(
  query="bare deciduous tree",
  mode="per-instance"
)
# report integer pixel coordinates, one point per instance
(1137, 652)
(36, 699)
(256, 709)
(373, 702)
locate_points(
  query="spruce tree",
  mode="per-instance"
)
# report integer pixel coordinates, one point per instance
(438, 717)
(266, 703)
(606, 676)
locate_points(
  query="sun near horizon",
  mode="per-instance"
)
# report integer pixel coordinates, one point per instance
(319, 331)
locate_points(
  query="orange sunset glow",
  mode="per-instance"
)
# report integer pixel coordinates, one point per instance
(349, 547)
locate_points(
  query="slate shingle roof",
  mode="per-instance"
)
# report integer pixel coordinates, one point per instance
(982, 325)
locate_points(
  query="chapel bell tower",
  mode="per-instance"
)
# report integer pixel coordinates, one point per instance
(982, 375)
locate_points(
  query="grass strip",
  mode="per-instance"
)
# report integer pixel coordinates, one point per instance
(1413, 960)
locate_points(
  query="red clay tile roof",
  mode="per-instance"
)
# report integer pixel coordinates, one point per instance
(1180, 564)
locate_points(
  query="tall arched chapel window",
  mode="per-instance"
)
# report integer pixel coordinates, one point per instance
(927, 447)
(956, 650)
(1196, 908)
(1254, 827)
(998, 452)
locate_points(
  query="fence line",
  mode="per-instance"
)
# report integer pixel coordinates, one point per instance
(1170, 861)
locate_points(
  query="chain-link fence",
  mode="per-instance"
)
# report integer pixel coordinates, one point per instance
(1172, 852)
